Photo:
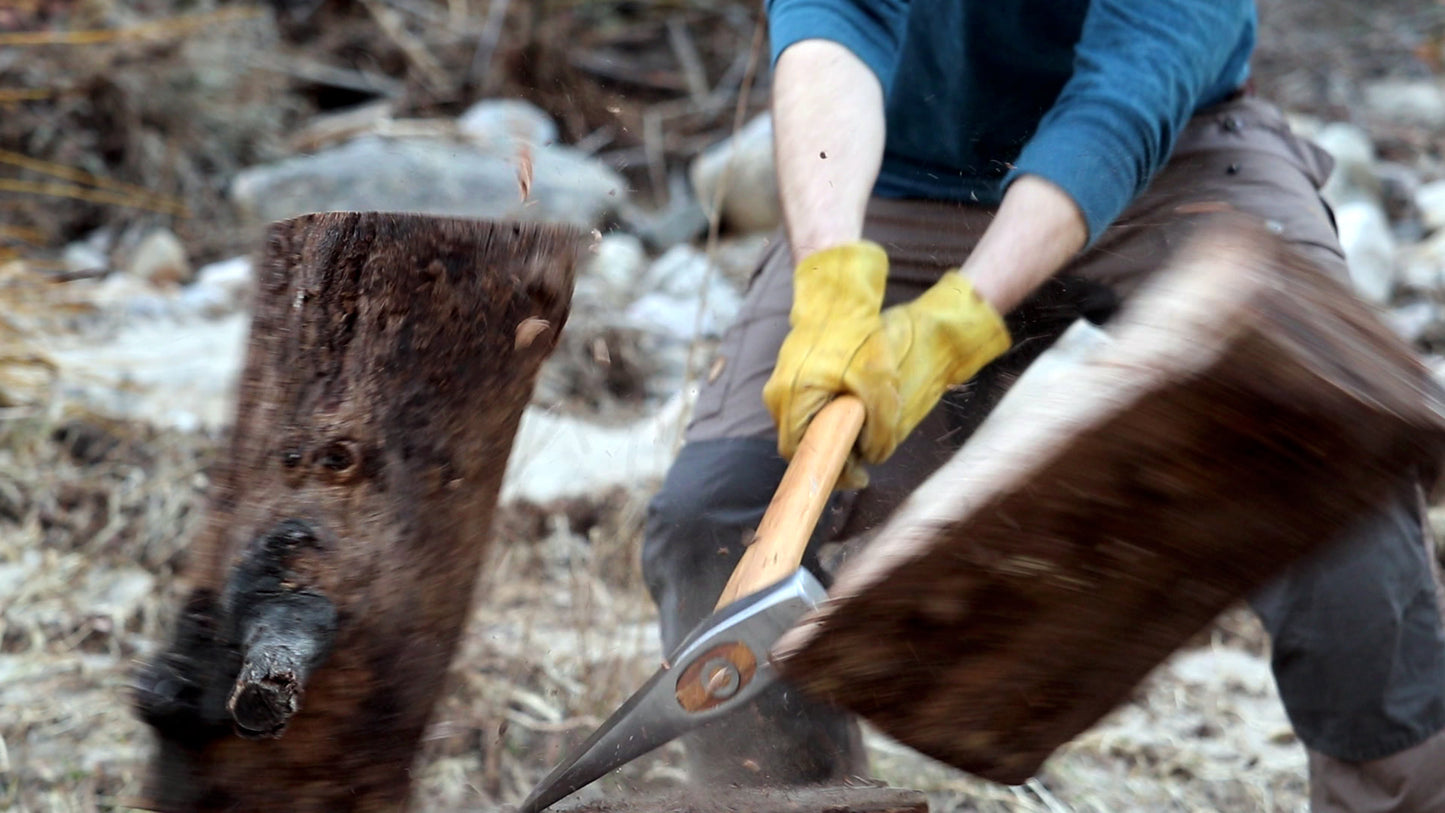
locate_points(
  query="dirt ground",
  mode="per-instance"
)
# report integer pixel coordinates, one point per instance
(128, 132)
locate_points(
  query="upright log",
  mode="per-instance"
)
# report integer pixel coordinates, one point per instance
(390, 360)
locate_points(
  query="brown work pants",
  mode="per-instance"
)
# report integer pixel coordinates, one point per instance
(1358, 648)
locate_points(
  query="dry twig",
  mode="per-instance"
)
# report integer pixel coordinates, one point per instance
(158, 29)
(391, 24)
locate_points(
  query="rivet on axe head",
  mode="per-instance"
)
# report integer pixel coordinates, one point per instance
(723, 679)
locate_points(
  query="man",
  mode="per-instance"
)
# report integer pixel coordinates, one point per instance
(960, 181)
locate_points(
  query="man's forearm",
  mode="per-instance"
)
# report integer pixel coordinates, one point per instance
(828, 136)
(1037, 230)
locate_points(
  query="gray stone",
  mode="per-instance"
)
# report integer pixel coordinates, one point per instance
(1369, 249)
(612, 273)
(497, 122)
(681, 271)
(1422, 266)
(1353, 177)
(220, 288)
(1430, 200)
(673, 304)
(431, 176)
(680, 221)
(160, 259)
(744, 163)
(81, 256)
(1407, 101)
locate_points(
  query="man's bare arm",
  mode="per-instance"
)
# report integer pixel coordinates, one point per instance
(1037, 230)
(829, 131)
(828, 137)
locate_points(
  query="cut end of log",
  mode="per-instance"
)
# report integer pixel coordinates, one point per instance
(263, 707)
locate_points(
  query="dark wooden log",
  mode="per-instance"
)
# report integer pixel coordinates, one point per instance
(390, 360)
(1247, 409)
(765, 800)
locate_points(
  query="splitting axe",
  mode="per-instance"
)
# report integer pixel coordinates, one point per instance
(723, 664)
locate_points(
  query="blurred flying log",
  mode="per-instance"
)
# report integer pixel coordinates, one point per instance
(390, 360)
(1246, 410)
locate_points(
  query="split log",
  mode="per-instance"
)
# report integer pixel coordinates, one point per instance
(1245, 411)
(390, 359)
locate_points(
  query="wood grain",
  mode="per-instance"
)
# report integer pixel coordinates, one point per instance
(390, 360)
(777, 547)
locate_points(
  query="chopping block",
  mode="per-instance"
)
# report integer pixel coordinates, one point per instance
(390, 359)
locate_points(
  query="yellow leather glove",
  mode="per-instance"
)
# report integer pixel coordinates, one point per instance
(898, 362)
(940, 340)
(836, 345)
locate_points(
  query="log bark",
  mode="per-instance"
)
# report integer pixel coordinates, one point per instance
(1246, 410)
(390, 360)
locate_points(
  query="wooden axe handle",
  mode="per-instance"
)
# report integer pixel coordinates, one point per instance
(777, 547)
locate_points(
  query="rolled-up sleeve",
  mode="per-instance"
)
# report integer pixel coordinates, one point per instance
(872, 29)
(1141, 68)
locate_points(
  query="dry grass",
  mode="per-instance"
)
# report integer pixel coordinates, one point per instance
(94, 517)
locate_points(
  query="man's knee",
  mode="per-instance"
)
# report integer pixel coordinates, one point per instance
(1359, 651)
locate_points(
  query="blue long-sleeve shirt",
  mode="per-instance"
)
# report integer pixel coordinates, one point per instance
(1090, 94)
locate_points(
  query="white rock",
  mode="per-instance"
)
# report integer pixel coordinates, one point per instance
(679, 317)
(118, 592)
(234, 275)
(82, 256)
(1430, 199)
(559, 456)
(130, 297)
(1422, 266)
(499, 121)
(1413, 320)
(745, 163)
(1369, 249)
(160, 259)
(680, 271)
(1407, 101)
(1353, 177)
(674, 286)
(202, 302)
(172, 373)
(434, 176)
(613, 272)
(220, 288)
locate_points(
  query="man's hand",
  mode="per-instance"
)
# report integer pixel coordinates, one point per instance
(837, 345)
(898, 362)
(939, 340)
